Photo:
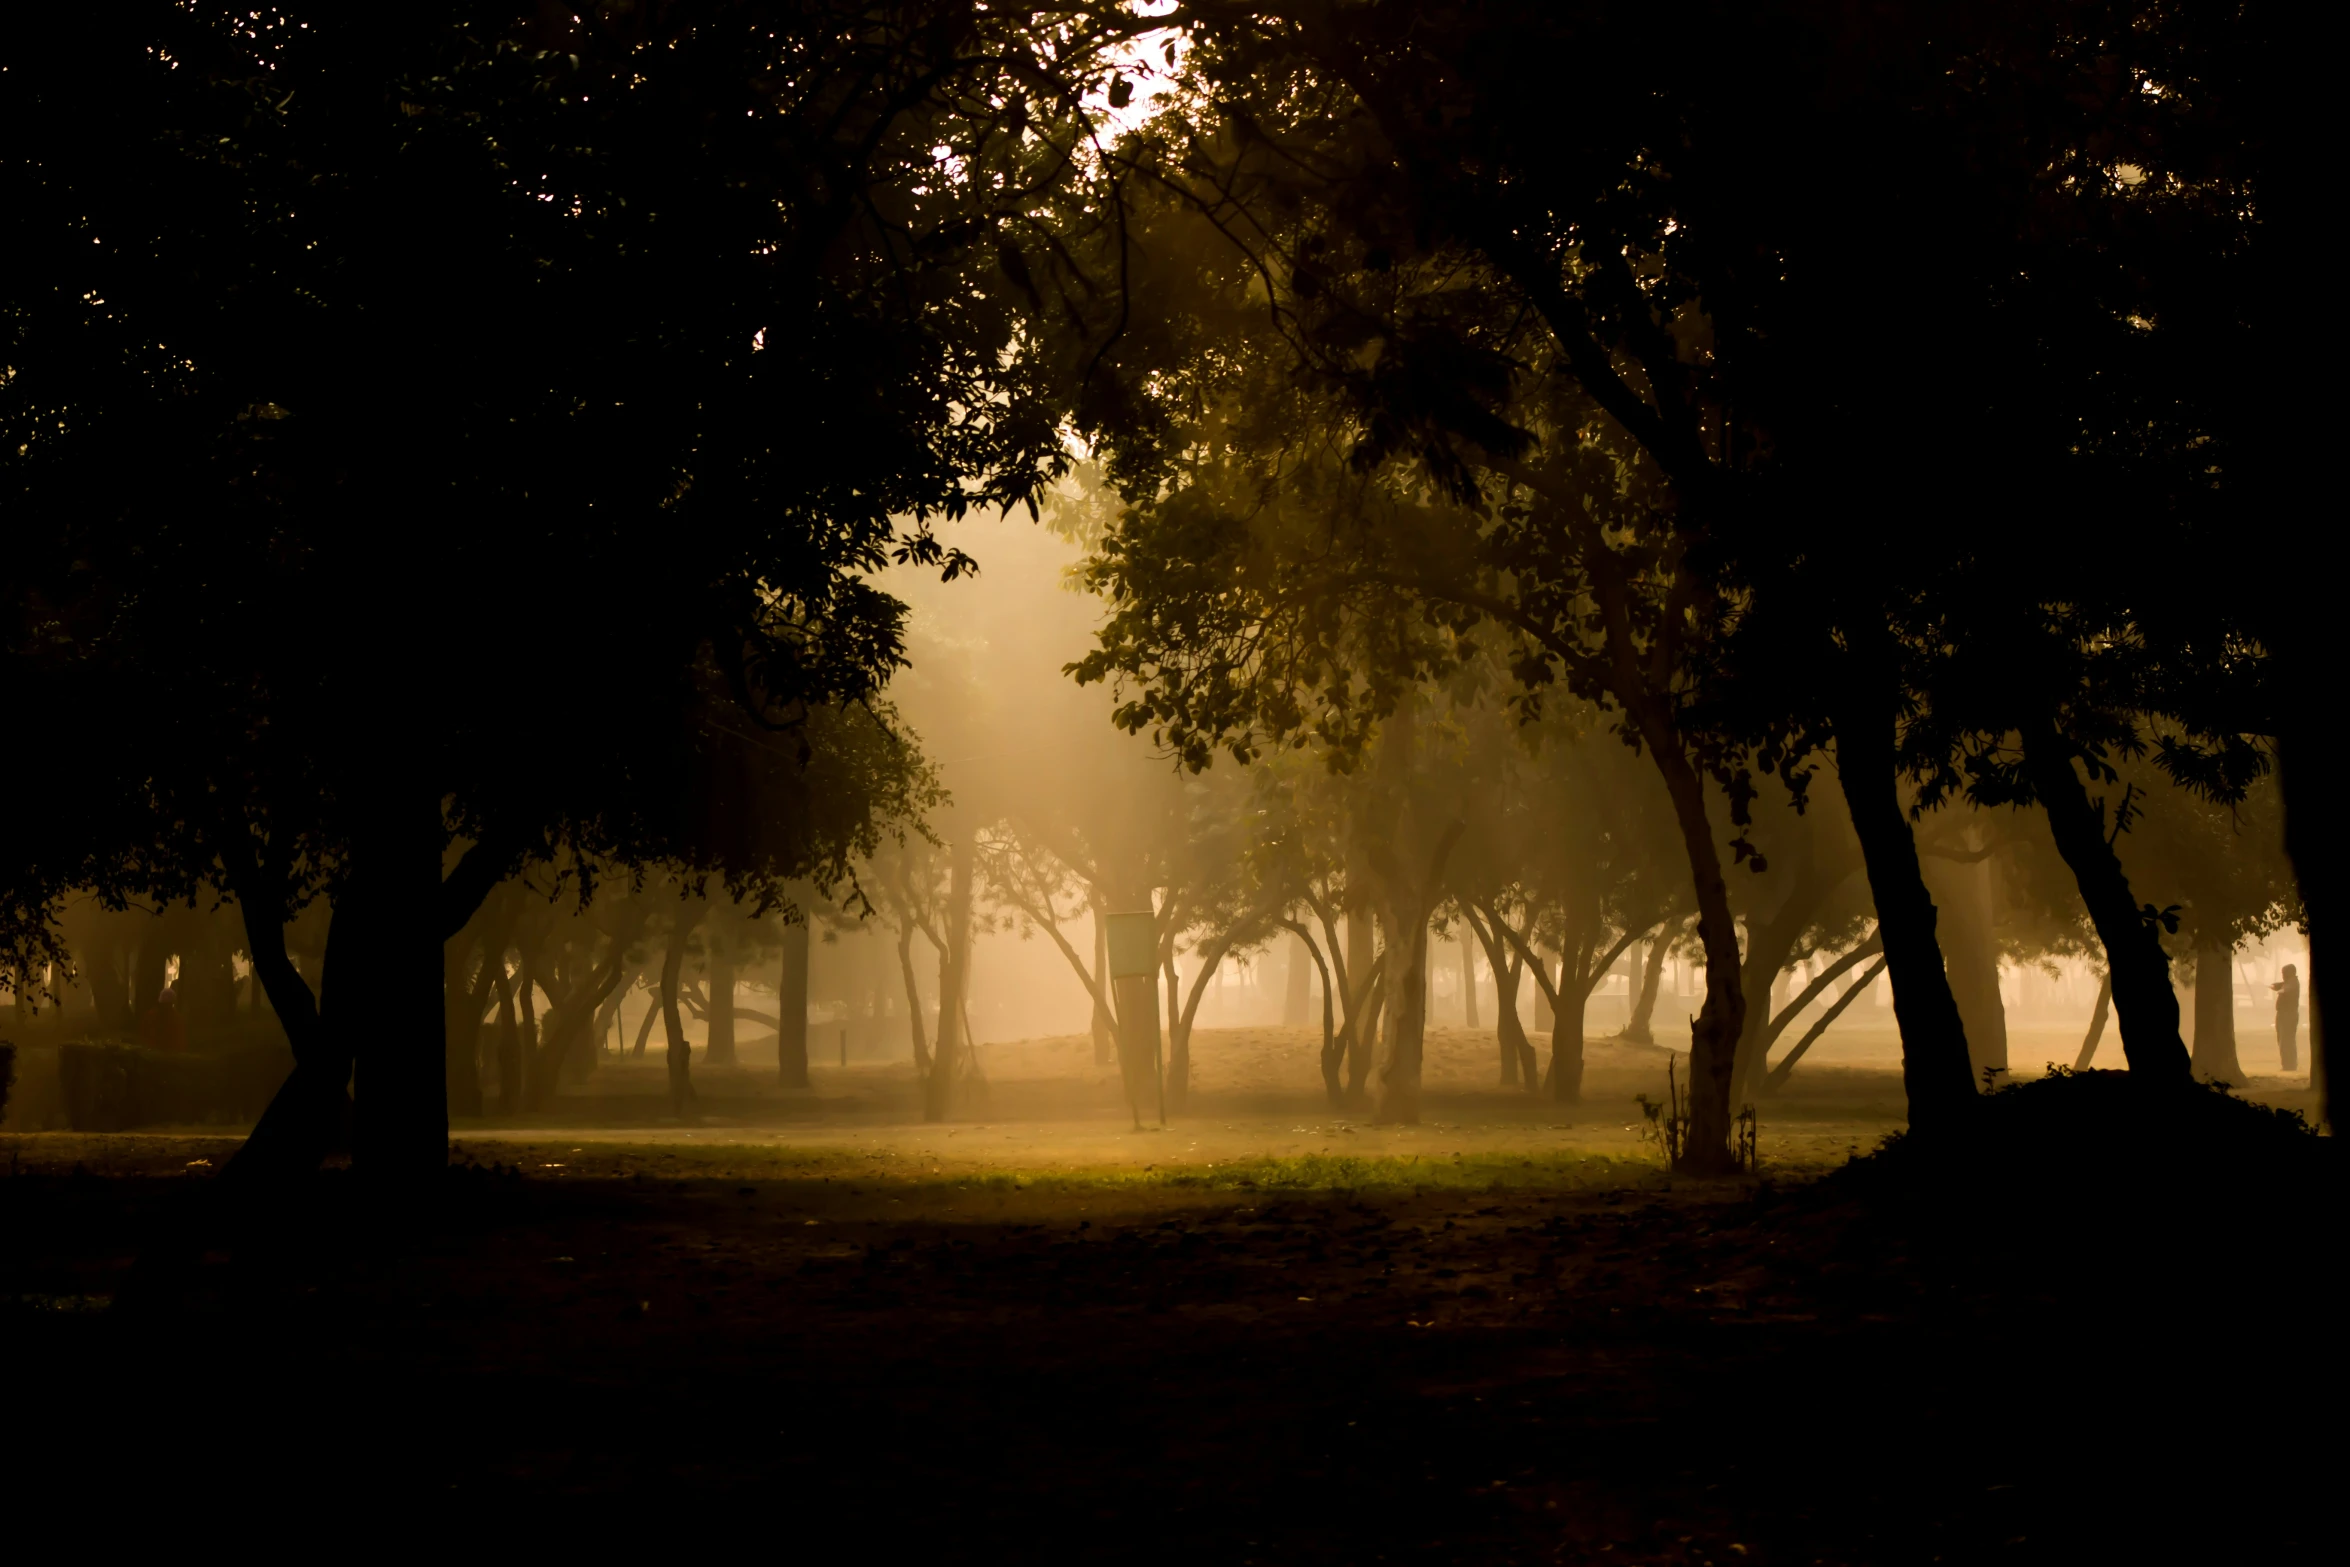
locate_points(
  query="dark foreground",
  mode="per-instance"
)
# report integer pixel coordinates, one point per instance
(833, 1364)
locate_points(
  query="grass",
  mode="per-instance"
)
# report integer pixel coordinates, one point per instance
(1312, 1172)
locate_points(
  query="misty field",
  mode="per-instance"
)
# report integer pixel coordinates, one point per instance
(1214, 781)
(1259, 1335)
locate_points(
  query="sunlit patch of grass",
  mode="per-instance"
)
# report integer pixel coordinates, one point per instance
(900, 1168)
(1405, 1172)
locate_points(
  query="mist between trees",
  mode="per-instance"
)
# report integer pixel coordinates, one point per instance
(1752, 499)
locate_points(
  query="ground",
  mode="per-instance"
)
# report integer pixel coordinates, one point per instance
(1269, 1333)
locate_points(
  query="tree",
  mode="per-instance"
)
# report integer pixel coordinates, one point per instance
(1632, 286)
(324, 332)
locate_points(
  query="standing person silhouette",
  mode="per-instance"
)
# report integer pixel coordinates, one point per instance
(2288, 991)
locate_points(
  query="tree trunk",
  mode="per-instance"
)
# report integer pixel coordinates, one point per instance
(1513, 959)
(913, 1002)
(2096, 1025)
(718, 1017)
(1105, 1023)
(565, 1033)
(1173, 984)
(1362, 958)
(1302, 943)
(791, 1006)
(1468, 982)
(148, 962)
(470, 1002)
(2311, 842)
(1769, 944)
(1564, 1076)
(680, 1056)
(510, 1045)
(309, 1116)
(2143, 1000)
(1513, 1032)
(1777, 1078)
(954, 962)
(1179, 1053)
(2288, 1025)
(1970, 955)
(383, 992)
(526, 1037)
(1637, 1027)
(1297, 991)
(1777, 1018)
(1517, 1056)
(2214, 1058)
(1713, 1033)
(1935, 1069)
(608, 1016)
(1399, 1083)
(1370, 1036)
(644, 1027)
(462, 1026)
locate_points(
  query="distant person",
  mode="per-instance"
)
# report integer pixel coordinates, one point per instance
(2288, 991)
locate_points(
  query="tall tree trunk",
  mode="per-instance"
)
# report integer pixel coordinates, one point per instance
(681, 1056)
(1713, 1034)
(608, 1016)
(1371, 1036)
(1935, 1068)
(1507, 1031)
(462, 1026)
(2097, 1019)
(2312, 843)
(718, 1019)
(1173, 984)
(2143, 999)
(309, 1116)
(565, 1033)
(1769, 944)
(954, 962)
(2214, 1058)
(1362, 958)
(1468, 982)
(1297, 993)
(107, 973)
(526, 1037)
(1210, 958)
(1765, 1078)
(1304, 944)
(2288, 1025)
(1564, 1076)
(148, 961)
(1638, 1027)
(1399, 1083)
(1514, 1042)
(510, 1045)
(913, 1001)
(480, 951)
(383, 990)
(1104, 1022)
(1777, 1078)
(644, 1027)
(791, 1006)
(1970, 954)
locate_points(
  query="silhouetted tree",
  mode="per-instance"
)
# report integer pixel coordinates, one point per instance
(328, 332)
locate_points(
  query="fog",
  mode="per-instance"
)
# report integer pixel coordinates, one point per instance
(1329, 782)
